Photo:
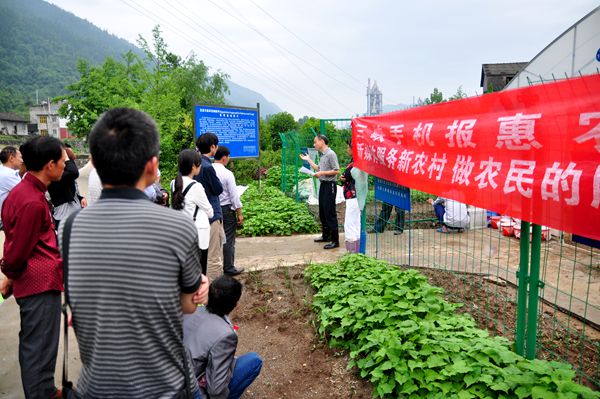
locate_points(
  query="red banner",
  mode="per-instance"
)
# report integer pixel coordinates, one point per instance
(531, 153)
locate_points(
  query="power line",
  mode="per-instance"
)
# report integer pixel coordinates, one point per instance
(154, 18)
(281, 50)
(306, 43)
(234, 48)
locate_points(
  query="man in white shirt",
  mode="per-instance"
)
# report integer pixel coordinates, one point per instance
(231, 206)
(9, 172)
(452, 215)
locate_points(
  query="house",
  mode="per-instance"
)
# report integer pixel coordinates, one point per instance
(495, 76)
(14, 124)
(45, 116)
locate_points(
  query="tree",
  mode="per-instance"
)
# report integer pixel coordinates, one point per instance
(167, 92)
(435, 97)
(460, 94)
(112, 84)
(280, 123)
(265, 135)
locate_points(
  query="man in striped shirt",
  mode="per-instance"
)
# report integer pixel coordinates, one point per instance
(133, 270)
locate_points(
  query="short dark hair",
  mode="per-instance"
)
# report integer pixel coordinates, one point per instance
(323, 137)
(40, 150)
(205, 141)
(222, 152)
(223, 295)
(7, 152)
(122, 141)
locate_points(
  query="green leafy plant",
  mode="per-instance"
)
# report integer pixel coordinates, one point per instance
(411, 343)
(270, 212)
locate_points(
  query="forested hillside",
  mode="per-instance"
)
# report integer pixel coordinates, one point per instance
(39, 47)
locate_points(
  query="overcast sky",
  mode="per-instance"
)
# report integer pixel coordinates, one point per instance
(314, 57)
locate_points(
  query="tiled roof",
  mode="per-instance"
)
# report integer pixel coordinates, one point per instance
(11, 116)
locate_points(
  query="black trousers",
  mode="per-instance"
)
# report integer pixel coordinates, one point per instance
(38, 343)
(229, 225)
(384, 216)
(204, 260)
(327, 211)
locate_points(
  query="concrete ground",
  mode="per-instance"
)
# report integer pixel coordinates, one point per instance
(253, 253)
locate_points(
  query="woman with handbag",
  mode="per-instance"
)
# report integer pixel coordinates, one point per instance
(188, 195)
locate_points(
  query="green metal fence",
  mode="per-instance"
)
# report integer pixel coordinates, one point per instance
(298, 185)
(544, 295)
(555, 317)
(294, 183)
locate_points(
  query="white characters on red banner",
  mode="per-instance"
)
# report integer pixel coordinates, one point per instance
(360, 149)
(360, 129)
(520, 175)
(461, 132)
(391, 158)
(404, 160)
(377, 135)
(369, 153)
(462, 170)
(490, 171)
(518, 132)
(397, 133)
(594, 133)
(596, 200)
(437, 165)
(421, 134)
(380, 155)
(418, 166)
(568, 179)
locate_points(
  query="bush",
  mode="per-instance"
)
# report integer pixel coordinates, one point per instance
(410, 343)
(270, 212)
(274, 177)
(245, 170)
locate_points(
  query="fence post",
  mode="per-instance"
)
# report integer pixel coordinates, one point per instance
(296, 141)
(283, 162)
(523, 275)
(534, 288)
(363, 231)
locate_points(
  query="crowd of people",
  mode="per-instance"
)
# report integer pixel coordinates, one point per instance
(127, 287)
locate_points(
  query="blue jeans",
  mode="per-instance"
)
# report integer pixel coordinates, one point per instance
(247, 368)
(439, 212)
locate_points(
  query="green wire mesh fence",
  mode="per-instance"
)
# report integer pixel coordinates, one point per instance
(298, 185)
(480, 268)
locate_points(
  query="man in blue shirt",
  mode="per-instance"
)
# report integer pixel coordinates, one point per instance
(9, 172)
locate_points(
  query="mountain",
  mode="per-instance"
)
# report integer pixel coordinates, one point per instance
(39, 47)
(244, 97)
(40, 44)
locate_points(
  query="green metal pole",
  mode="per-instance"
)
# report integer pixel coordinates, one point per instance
(363, 230)
(283, 168)
(534, 288)
(297, 164)
(523, 275)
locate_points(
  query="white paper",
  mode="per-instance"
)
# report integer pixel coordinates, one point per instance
(241, 190)
(306, 171)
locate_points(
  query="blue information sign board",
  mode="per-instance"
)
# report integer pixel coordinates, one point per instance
(236, 127)
(392, 193)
